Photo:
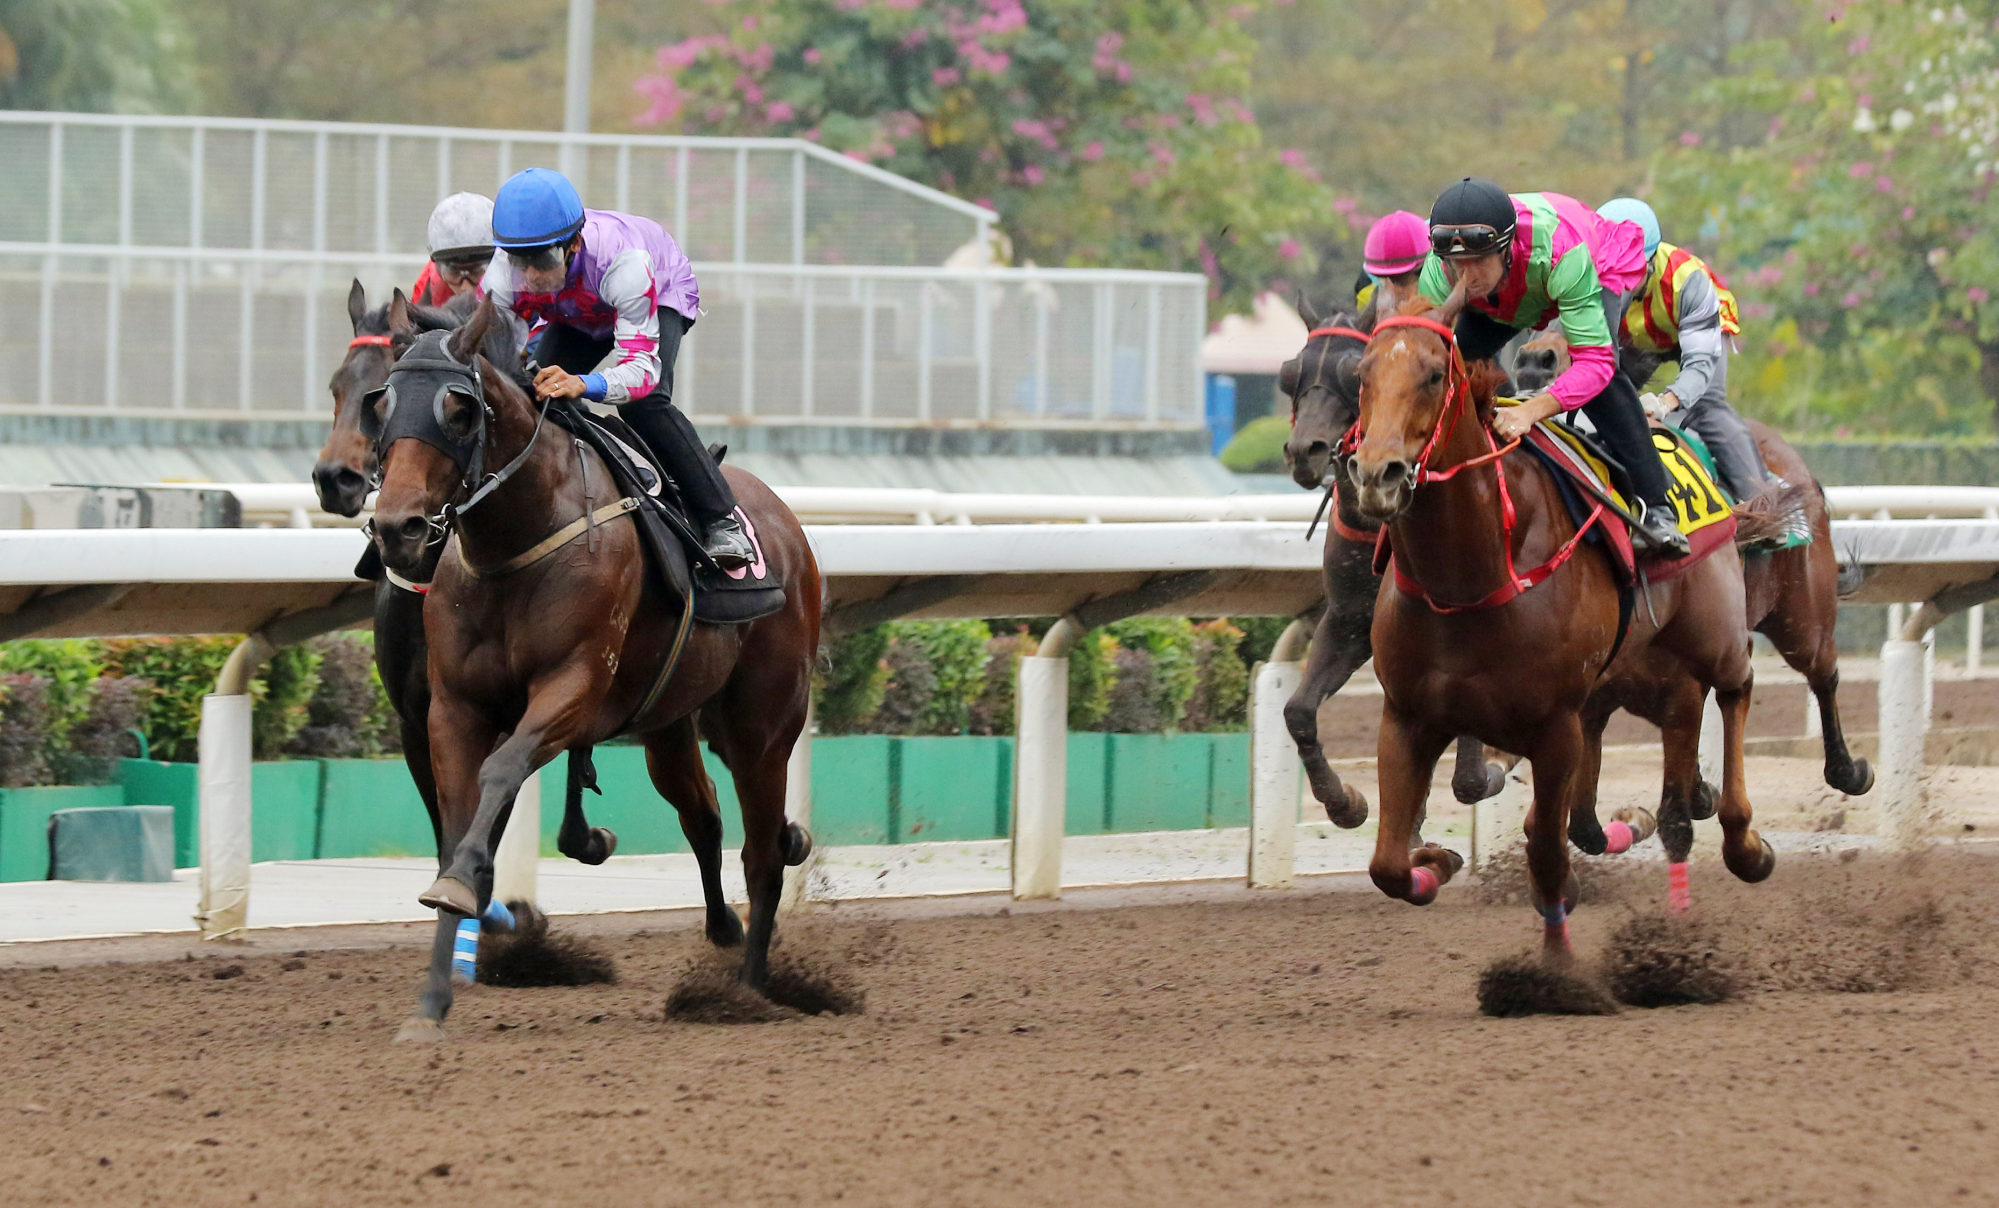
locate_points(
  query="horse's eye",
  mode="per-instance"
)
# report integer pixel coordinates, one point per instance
(1436, 377)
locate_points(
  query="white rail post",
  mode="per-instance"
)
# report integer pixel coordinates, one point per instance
(1711, 741)
(1974, 641)
(1904, 726)
(1499, 822)
(515, 858)
(1041, 765)
(1274, 772)
(223, 778)
(798, 808)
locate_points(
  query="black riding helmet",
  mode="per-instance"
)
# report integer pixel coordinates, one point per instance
(1471, 218)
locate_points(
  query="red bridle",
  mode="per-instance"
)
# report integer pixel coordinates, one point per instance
(369, 342)
(1458, 401)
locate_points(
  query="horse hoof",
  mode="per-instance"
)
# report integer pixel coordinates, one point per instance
(725, 929)
(1857, 781)
(1457, 862)
(603, 842)
(418, 1030)
(1641, 821)
(1761, 866)
(1572, 892)
(1587, 834)
(797, 844)
(1350, 813)
(1701, 808)
(448, 894)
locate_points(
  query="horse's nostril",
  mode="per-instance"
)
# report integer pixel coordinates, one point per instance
(1318, 448)
(1392, 473)
(414, 529)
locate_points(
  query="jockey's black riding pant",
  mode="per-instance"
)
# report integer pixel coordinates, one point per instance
(1615, 411)
(668, 432)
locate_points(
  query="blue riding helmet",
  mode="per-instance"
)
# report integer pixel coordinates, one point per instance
(1632, 210)
(536, 208)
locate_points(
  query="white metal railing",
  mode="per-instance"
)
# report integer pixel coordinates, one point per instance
(199, 267)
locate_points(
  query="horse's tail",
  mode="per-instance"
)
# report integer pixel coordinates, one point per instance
(1765, 516)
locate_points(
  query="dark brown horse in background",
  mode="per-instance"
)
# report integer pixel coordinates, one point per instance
(540, 646)
(1461, 647)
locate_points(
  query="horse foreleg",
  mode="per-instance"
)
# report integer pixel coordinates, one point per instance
(548, 727)
(1339, 646)
(1475, 777)
(1557, 757)
(1747, 854)
(1585, 831)
(1408, 757)
(456, 783)
(1682, 795)
(673, 757)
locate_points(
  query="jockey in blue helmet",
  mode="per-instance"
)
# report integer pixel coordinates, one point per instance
(607, 283)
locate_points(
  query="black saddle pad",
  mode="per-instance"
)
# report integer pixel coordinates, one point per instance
(720, 597)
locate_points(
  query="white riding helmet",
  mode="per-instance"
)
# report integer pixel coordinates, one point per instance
(462, 223)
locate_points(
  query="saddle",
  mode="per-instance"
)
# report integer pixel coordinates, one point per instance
(672, 545)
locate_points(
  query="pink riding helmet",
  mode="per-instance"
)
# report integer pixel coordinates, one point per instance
(1396, 244)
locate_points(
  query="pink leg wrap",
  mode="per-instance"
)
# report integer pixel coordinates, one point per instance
(1679, 895)
(1619, 835)
(1423, 885)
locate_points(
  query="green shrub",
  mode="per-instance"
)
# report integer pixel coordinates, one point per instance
(1134, 704)
(1259, 637)
(1259, 447)
(1092, 675)
(71, 665)
(1221, 697)
(347, 695)
(1170, 642)
(90, 753)
(25, 714)
(937, 671)
(993, 712)
(289, 681)
(182, 671)
(853, 681)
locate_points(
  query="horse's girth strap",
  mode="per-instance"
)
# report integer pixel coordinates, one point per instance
(557, 539)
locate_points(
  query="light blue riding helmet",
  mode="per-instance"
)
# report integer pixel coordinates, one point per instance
(1630, 209)
(536, 208)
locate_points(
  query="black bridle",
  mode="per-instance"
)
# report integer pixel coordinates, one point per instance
(429, 372)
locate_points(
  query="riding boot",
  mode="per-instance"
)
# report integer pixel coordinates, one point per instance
(1620, 422)
(711, 505)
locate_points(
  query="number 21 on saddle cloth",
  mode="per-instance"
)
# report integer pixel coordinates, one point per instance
(1699, 508)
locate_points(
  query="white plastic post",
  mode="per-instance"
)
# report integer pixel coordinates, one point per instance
(798, 808)
(1904, 726)
(515, 860)
(1273, 782)
(1499, 822)
(224, 779)
(1929, 677)
(1040, 776)
(1711, 740)
(1814, 724)
(1974, 641)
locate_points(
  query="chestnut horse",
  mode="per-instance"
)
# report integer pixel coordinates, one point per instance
(548, 634)
(1500, 624)
(1792, 594)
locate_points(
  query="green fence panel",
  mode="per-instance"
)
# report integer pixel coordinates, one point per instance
(850, 789)
(284, 809)
(1159, 781)
(156, 782)
(1228, 792)
(953, 788)
(1084, 796)
(370, 807)
(24, 823)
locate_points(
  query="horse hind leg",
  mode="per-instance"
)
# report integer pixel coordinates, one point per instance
(673, 758)
(1585, 831)
(1747, 854)
(580, 841)
(1682, 798)
(1474, 777)
(1845, 771)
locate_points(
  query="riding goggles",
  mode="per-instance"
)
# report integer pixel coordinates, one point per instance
(1468, 239)
(538, 259)
(462, 266)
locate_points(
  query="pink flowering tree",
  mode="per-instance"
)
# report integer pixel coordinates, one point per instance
(1858, 219)
(1105, 132)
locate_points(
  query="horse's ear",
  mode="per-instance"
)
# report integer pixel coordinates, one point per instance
(402, 325)
(464, 342)
(1306, 312)
(357, 304)
(1453, 306)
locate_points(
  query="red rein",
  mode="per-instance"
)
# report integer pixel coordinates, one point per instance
(1457, 402)
(368, 342)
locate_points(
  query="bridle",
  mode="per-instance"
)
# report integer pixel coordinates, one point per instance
(427, 360)
(1340, 454)
(1458, 403)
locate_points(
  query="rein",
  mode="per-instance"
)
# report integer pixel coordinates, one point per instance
(1458, 401)
(369, 342)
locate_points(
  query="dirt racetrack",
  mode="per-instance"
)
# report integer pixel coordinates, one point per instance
(1315, 1047)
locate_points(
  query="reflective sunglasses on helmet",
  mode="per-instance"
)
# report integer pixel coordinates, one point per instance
(538, 259)
(463, 264)
(1452, 241)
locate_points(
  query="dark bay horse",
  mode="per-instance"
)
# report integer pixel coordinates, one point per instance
(547, 634)
(1499, 624)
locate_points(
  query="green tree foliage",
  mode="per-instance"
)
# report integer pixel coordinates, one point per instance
(1859, 214)
(937, 672)
(97, 56)
(853, 682)
(182, 671)
(1092, 676)
(1221, 692)
(1106, 132)
(1169, 641)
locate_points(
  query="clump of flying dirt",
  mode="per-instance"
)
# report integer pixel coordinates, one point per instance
(1501, 878)
(532, 955)
(1869, 927)
(1667, 961)
(708, 992)
(1513, 986)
